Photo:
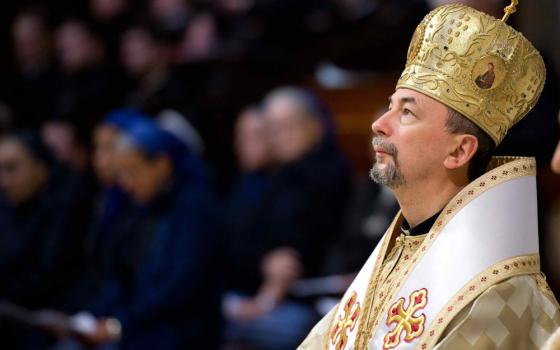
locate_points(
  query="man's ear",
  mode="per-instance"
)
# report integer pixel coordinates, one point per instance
(462, 151)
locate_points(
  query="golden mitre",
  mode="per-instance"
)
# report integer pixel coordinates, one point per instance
(477, 65)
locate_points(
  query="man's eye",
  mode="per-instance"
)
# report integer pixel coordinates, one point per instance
(407, 111)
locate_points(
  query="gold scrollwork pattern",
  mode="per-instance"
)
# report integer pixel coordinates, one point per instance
(475, 64)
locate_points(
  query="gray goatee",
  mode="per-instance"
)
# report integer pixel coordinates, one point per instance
(390, 175)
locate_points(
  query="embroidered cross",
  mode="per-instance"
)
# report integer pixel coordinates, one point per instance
(405, 320)
(345, 323)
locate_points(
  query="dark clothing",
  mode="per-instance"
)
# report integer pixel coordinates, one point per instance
(299, 208)
(31, 97)
(536, 135)
(420, 229)
(161, 282)
(84, 97)
(242, 217)
(370, 210)
(170, 93)
(40, 245)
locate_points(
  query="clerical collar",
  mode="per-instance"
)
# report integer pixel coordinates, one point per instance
(419, 229)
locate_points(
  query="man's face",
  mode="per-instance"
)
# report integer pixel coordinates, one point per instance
(76, 47)
(31, 39)
(251, 141)
(138, 51)
(292, 133)
(410, 142)
(21, 176)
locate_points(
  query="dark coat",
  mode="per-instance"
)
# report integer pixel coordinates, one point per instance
(300, 207)
(41, 244)
(162, 284)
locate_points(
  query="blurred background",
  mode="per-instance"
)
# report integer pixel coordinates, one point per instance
(184, 174)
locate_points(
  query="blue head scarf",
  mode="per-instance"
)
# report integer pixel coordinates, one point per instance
(152, 140)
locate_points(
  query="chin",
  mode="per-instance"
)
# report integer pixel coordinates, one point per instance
(381, 165)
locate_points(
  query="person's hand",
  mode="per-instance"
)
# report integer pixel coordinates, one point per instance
(246, 309)
(100, 333)
(94, 331)
(52, 321)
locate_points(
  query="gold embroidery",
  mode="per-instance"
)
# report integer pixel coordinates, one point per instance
(480, 67)
(543, 285)
(413, 326)
(363, 335)
(522, 265)
(338, 335)
(516, 168)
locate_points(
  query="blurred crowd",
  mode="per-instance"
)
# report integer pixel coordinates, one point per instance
(165, 185)
(73, 61)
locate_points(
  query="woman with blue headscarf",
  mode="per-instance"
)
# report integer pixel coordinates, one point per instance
(162, 288)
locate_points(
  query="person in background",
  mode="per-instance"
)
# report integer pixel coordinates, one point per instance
(162, 287)
(35, 78)
(200, 40)
(90, 85)
(370, 209)
(147, 60)
(66, 145)
(451, 264)
(105, 137)
(293, 223)
(254, 159)
(110, 18)
(109, 206)
(169, 17)
(40, 229)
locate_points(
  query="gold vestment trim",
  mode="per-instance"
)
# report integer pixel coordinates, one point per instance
(372, 281)
(514, 167)
(501, 271)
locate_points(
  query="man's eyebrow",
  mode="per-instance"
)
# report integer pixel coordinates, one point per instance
(403, 100)
(408, 100)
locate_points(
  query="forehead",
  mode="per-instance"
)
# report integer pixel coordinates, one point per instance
(250, 120)
(422, 101)
(105, 132)
(404, 95)
(282, 108)
(13, 149)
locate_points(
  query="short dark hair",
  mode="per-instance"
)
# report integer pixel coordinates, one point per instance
(457, 123)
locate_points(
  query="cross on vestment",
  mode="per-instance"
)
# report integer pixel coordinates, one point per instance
(338, 334)
(405, 320)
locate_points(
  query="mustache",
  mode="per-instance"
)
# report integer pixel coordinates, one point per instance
(387, 147)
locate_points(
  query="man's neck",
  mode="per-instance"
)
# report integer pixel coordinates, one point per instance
(420, 202)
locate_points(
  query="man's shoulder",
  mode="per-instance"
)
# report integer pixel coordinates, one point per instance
(528, 290)
(521, 308)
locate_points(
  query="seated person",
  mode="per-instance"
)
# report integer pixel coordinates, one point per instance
(162, 286)
(290, 227)
(40, 229)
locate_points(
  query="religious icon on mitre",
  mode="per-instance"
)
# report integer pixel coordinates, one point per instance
(486, 79)
(488, 72)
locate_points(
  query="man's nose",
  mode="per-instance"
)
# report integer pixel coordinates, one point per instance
(381, 125)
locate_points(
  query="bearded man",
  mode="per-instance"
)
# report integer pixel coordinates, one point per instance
(459, 267)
